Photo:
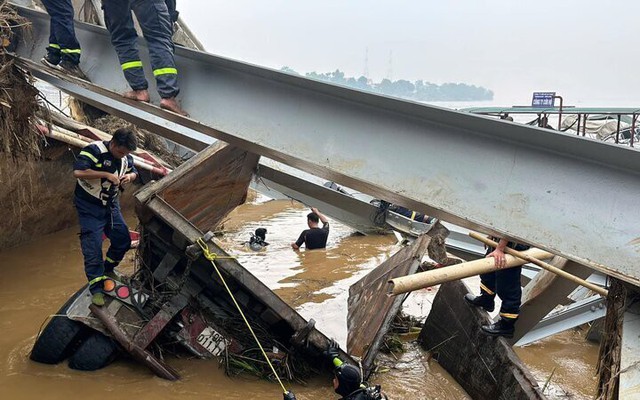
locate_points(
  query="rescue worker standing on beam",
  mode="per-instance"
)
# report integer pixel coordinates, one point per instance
(155, 22)
(63, 49)
(506, 284)
(101, 169)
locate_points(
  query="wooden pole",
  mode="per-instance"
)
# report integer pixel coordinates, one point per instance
(548, 267)
(437, 276)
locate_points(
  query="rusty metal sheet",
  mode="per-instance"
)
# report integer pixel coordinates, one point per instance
(207, 187)
(370, 310)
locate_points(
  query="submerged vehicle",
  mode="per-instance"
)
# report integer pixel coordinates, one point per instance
(187, 294)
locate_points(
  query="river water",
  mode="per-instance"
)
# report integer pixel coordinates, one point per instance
(37, 278)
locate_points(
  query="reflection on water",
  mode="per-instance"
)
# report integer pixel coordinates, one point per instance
(36, 279)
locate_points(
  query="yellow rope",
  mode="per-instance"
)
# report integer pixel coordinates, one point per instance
(211, 256)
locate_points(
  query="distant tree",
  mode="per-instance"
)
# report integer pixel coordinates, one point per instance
(419, 90)
(289, 70)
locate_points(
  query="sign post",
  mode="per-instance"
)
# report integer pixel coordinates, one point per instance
(543, 99)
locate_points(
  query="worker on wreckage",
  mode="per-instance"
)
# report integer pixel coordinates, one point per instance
(347, 381)
(101, 169)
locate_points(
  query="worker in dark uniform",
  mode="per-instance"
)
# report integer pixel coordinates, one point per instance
(347, 381)
(155, 22)
(506, 284)
(314, 237)
(101, 169)
(173, 12)
(63, 49)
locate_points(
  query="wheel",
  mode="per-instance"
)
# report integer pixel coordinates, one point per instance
(95, 352)
(60, 337)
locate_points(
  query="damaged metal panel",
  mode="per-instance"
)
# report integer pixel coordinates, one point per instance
(485, 366)
(370, 310)
(343, 207)
(208, 187)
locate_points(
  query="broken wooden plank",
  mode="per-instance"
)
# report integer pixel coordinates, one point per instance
(485, 366)
(370, 310)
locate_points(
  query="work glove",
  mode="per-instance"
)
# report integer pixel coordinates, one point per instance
(289, 396)
(332, 351)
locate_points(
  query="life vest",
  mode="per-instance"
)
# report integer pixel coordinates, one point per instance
(101, 189)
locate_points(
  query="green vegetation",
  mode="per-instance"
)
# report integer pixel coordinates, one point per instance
(418, 90)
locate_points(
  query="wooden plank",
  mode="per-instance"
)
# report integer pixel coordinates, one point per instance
(544, 293)
(370, 310)
(630, 349)
(485, 366)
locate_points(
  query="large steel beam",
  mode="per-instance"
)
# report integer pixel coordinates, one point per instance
(572, 196)
(576, 314)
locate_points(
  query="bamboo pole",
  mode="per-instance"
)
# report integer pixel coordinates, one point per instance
(542, 264)
(437, 276)
(80, 141)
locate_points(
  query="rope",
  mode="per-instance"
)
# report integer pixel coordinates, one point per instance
(211, 256)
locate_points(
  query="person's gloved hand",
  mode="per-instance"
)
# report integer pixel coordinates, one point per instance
(289, 396)
(332, 351)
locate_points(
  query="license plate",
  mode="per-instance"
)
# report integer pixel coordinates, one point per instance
(212, 341)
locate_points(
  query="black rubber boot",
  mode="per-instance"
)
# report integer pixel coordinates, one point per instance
(503, 327)
(484, 301)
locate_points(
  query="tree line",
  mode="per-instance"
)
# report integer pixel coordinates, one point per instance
(418, 90)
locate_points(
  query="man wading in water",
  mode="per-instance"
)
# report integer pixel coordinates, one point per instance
(314, 237)
(101, 168)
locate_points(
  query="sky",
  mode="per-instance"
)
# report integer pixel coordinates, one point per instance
(585, 50)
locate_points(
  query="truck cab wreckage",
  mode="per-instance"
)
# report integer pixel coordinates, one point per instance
(540, 202)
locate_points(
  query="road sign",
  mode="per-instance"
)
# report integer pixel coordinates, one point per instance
(543, 99)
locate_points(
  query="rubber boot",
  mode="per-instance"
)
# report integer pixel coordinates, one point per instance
(504, 327)
(484, 300)
(98, 299)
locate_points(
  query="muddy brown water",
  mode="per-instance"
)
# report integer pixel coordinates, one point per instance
(36, 278)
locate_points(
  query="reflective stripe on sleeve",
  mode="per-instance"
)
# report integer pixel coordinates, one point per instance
(164, 71)
(54, 46)
(91, 156)
(131, 64)
(71, 51)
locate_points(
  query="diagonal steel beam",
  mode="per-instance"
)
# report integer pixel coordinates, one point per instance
(571, 196)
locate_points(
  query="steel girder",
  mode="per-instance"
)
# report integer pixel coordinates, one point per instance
(572, 196)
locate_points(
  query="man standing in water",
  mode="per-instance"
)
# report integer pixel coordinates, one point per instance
(314, 237)
(101, 169)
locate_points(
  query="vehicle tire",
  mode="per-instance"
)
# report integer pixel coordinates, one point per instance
(95, 352)
(60, 337)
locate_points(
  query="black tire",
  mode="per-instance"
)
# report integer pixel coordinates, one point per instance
(96, 352)
(60, 337)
